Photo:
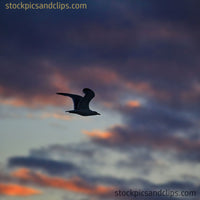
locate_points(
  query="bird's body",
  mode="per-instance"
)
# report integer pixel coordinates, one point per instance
(81, 104)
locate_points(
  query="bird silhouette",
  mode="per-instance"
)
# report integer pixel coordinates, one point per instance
(81, 104)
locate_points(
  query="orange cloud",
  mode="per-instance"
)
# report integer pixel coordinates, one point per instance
(133, 104)
(13, 102)
(98, 134)
(74, 184)
(17, 190)
(35, 101)
(55, 115)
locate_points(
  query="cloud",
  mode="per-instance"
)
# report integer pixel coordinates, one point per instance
(143, 52)
(75, 184)
(93, 188)
(154, 116)
(98, 134)
(123, 137)
(83, 150)
(30, 102)
(133, 104)
(48, 165)
(32, 97)
(17, 190)
(55, 115)
(8, 112)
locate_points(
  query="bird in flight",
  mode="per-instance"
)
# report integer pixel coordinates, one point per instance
(81, 104)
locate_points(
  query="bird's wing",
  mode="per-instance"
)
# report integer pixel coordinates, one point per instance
(76, 98)
(84, 102)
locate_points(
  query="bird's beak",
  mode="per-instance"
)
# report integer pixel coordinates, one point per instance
(99, 114)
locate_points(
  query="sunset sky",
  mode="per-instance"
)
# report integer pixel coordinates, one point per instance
(142, 60)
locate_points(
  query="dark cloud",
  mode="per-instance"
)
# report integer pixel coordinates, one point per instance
(153, 44)
(67, 160)
(50, 166)
(123, 137)
(140, 159)
(156, 117)
(193, 156)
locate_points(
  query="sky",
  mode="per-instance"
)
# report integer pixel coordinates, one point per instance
(142, 60)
